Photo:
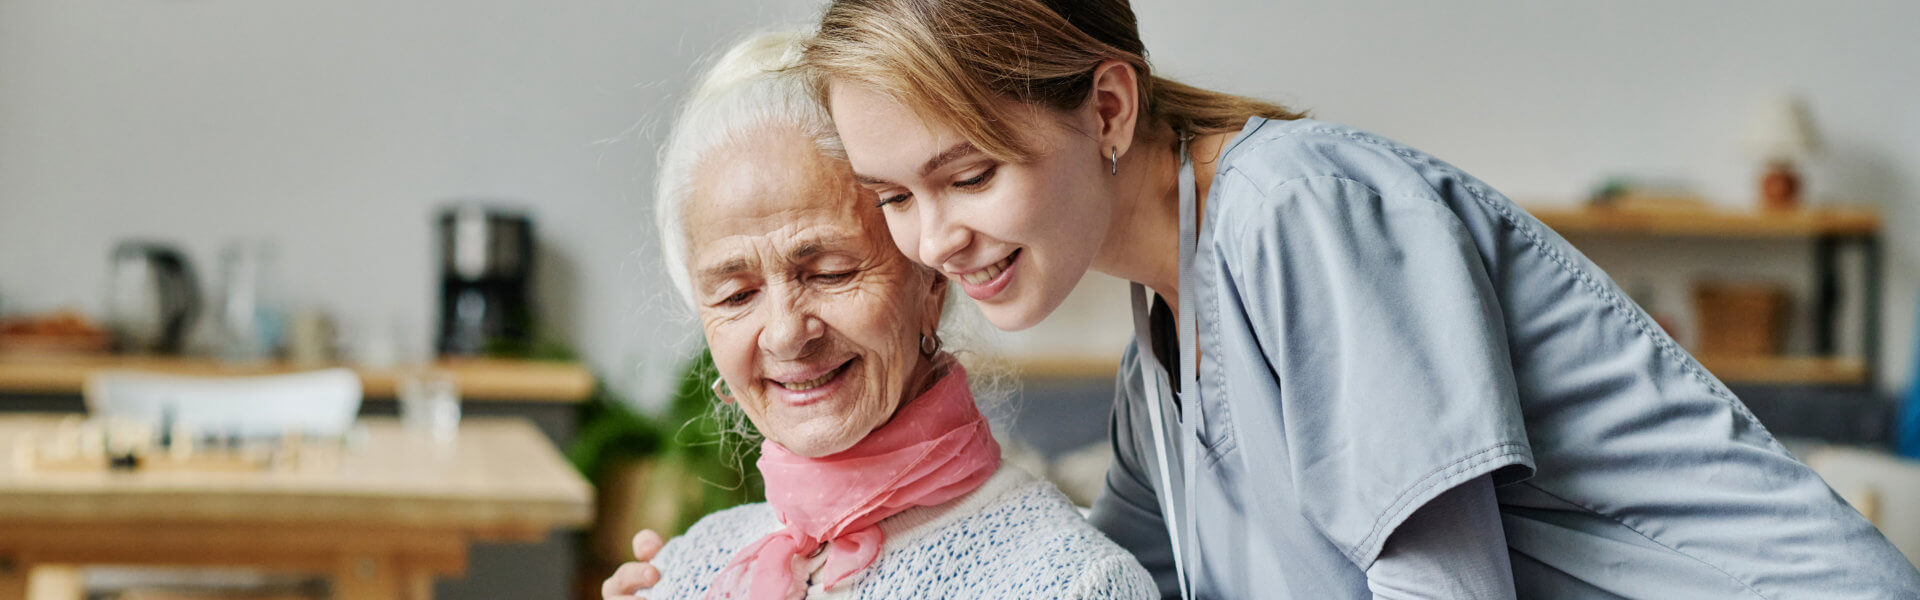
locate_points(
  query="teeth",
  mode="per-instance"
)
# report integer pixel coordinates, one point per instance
(987, 274)
(810, 383)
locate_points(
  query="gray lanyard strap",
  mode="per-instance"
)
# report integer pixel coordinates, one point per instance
(1153, 382)
(1176, 493)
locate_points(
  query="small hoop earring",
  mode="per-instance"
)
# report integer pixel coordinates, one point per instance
(720, 390)
(1113, 158)
(929, 343)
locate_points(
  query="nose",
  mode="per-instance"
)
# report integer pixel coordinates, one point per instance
(791, 329)
(942, 237)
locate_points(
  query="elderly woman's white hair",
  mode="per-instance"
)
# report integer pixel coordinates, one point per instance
(750, 89)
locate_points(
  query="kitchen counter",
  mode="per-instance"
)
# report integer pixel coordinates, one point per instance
(479, 379)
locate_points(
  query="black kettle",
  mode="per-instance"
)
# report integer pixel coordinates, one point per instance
(152, 297)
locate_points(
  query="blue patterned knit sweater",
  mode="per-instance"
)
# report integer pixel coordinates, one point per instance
(1014, 537)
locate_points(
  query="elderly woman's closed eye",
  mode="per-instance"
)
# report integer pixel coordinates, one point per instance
(883, 478)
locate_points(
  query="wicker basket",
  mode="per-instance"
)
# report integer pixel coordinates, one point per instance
(1740, 318)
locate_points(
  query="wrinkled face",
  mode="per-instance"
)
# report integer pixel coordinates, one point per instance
(1016, 236)
(814, 319)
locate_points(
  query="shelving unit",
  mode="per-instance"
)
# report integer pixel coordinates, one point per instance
(1829, 229)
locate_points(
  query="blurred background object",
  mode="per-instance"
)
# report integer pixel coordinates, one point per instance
(250, 320)
(1740, 318)
(153, 297)
(486, 256)
(430, 404)
(320, 403)
(1781, 135)
(310, 338)
(55, 333)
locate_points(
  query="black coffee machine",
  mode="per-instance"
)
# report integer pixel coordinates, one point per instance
(486, 268)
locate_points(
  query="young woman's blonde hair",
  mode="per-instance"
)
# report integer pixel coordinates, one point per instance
(955, 62)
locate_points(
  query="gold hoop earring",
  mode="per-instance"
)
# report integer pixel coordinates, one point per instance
(929, 343)
(721, 391)
(1113, 158)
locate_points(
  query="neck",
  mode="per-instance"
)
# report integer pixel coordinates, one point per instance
(1144, 238)
(928, 373)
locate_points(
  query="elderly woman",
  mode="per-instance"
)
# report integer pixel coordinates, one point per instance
(883, 479)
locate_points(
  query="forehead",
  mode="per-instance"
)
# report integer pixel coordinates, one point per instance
(887, 139)
(879, 131)
(774, 190)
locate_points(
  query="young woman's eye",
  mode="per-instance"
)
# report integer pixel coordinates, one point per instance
(896, 199)
(976, 181)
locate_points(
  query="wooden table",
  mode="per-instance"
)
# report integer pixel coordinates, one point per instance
(397, 511)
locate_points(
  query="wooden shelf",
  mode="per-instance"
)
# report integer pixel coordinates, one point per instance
(1075, 366)
(1711, 222)
(478, 379)
(1801, 370)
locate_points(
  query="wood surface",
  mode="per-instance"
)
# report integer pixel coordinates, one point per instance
(480, 379)
(397, 510)
(1711, 222)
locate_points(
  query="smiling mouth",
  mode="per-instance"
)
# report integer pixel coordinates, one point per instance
(801, 386)
(985, 275)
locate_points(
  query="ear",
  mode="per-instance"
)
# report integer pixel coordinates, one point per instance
(1116, 103)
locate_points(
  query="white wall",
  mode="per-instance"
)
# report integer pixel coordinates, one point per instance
(1541, 99)
(335, 127)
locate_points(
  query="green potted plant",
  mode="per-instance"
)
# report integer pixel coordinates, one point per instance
(662, 472)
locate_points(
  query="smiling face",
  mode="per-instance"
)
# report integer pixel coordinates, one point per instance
(814, 319)
(1017, 236)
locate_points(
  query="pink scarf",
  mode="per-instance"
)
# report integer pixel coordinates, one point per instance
(935, 449)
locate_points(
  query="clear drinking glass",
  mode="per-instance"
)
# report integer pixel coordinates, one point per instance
(248, 329)
(430, 404)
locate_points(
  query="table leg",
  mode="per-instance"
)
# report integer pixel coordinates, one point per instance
(380, 577)
(367, 577)
(419, 586)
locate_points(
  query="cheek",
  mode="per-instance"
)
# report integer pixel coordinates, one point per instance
(732, 346)
(1020, 212)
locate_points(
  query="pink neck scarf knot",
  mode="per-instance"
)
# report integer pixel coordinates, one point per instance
(935, 449)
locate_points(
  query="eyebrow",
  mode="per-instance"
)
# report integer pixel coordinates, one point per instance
(724, 270)
(952, 153)
(819, 245)
(806, 249)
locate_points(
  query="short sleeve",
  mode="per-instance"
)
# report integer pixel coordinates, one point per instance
(1377, 318)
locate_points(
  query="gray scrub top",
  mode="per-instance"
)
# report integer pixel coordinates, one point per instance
(1376, 327)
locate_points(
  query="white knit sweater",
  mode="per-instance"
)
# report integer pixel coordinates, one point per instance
(1014, 537)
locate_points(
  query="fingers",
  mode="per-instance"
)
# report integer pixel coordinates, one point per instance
(627, 582)
(646, 545)
(634, 577)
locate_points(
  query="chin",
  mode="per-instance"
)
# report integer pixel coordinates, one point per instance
(819, 444)
(1022, 312)
(812, 449)
(1012, 318)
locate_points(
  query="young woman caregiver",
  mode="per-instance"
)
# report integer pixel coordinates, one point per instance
(1362, 373)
